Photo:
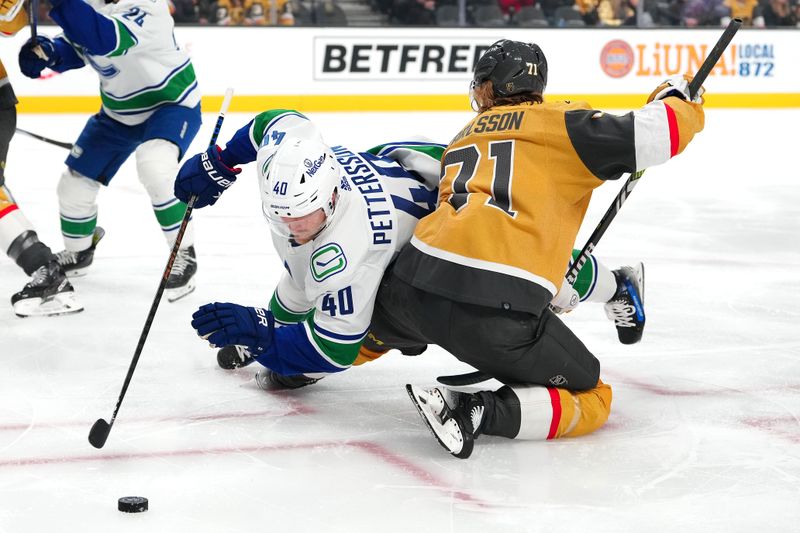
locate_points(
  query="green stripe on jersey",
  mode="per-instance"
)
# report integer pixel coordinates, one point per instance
(170, 215)
(585, 276)
(282, 314)
(341, 353)
(170, 91)
(126, 40)
(78, 229)
(262, 120)
(430, 150)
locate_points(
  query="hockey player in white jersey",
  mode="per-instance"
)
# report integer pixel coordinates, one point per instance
(338, 219)
(150, 105)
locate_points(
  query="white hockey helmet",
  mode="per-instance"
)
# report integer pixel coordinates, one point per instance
(299, 178)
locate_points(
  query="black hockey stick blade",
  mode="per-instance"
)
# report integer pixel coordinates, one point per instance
(100, 430)
(462, 380)
(60, 144)
(99, 433)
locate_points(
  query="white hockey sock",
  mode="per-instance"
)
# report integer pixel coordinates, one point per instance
(77, 203)
(157, 165)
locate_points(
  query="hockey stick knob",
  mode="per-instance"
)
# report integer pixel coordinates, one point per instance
(99, 433)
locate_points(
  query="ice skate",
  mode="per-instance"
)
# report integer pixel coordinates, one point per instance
(626, 307)
(232, 357)
(181, 277)
(76, 263)
(454, 418)
(49, 293)
(270, 380)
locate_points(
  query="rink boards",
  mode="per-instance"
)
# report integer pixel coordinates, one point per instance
(418, 69)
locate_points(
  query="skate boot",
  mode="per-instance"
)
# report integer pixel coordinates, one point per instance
(76, 263)
(454, 418)
(270, 380)
(626, 307)
(232, 357)
(49, 293)
(181, 277)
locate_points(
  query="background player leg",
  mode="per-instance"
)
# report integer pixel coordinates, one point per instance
(49, 292)
(157, 165)
(77, 201)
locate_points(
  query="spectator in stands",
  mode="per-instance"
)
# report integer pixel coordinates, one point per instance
(509, 7)
(414, 12)
(229, 12)
(588, 11)
(668, 12)
(188, 12)
(614, 12)
(260, 13)
(549, 7)
(703, 13)
(747, 10)
(779, 13)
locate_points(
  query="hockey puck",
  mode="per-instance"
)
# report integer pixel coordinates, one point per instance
(132, 504)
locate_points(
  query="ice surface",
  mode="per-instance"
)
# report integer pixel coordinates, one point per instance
(704, 434)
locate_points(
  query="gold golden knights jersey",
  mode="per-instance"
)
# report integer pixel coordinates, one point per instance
(515, 185)
(12, 18)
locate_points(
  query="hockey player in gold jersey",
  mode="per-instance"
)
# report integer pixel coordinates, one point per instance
(49, 292)
(479, 273)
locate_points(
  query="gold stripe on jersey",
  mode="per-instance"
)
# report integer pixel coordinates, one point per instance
(513, 192)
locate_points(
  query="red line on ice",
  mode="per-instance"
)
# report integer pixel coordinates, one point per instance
(295, 408)
(372, 448)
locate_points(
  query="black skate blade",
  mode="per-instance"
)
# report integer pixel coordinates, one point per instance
(462, 380)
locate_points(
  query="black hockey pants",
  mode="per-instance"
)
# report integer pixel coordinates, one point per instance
(511, 346)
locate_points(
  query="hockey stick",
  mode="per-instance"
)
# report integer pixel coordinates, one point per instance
(702, 73)
(33, 7)
(100, 430)
(42, 138)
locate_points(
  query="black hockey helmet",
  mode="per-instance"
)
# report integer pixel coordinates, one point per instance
(513, 68)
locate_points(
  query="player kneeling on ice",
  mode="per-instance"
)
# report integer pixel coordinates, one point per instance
(479, 273)
(338, 220)
(150, 105)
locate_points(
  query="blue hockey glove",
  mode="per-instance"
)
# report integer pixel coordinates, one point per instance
(206, 176)
(35, 56)
(224, 324)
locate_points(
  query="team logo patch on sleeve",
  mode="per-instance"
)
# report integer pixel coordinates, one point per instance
(327, 260)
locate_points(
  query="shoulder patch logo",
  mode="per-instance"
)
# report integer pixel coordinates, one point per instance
(327, 260)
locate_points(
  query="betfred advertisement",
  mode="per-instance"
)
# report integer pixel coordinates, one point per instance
(388, 69)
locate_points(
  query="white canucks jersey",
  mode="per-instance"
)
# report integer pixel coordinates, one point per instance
(147, 69)
(331, 282)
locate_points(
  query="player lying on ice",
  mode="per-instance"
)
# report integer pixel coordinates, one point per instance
(338, 220)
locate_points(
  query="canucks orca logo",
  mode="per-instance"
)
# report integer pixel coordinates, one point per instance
(327, 260)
